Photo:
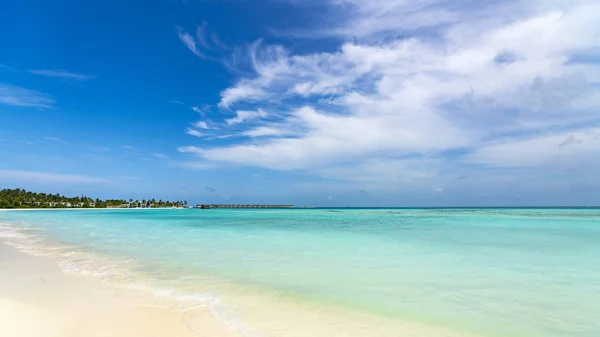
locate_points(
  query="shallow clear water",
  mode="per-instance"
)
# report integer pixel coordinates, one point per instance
(485, 272)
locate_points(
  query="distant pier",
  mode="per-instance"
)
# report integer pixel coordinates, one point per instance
(206, 206)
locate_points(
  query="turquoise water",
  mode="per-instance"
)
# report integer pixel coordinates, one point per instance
(481, 272)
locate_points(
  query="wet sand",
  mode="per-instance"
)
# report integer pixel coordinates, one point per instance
(38, 299)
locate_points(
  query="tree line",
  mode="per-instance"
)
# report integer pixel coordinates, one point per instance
(20, 198)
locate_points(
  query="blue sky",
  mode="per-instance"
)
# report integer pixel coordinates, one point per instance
(322, 103)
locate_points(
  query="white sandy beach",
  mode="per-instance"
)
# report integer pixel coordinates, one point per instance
(37, 299)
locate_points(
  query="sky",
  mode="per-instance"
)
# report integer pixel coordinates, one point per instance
(309, 102)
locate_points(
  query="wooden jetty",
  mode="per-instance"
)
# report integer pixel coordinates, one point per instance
(207, 206)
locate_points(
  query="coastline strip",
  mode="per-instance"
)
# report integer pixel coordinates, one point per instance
(39, 299)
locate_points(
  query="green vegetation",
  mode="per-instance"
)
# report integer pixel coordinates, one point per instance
(19, 198)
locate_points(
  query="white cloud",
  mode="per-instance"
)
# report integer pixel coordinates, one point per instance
(194, 133)
(476, 81)
(267, 131)
(202, 37)
(201, 125)
(203, 43)
(29, 176)
(245, 115)
(18, 96)
(63, 74)
(197, 109)
(218, 42)
(4, 66)
(239, 93)
(385, 170)
(53, 139)
(187, 149)
(190, 42)
(326, 139)
(560, 149)
(160, 156)
(197, 165)
(364, 18)
(369, 20)
(100, 149)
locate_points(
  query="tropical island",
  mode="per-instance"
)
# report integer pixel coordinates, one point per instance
(20, 198)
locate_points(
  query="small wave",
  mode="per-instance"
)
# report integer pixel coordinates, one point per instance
(121, 275)
(11, 234)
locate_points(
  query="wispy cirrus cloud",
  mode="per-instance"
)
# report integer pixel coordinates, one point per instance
(196, 127)
(53, 139)
(203, 43)
(161, 156)
(5, 67)
(100, 148)
(202, 37)
(18, 96)
(63, 74)
(195, 133)
(190, 42)
(196, 165)
(47, 177)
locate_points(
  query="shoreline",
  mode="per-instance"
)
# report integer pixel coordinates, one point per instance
(35, 289)
(82, 209)
(261, 311)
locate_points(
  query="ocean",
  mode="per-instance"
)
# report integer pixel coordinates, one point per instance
(340, 272)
